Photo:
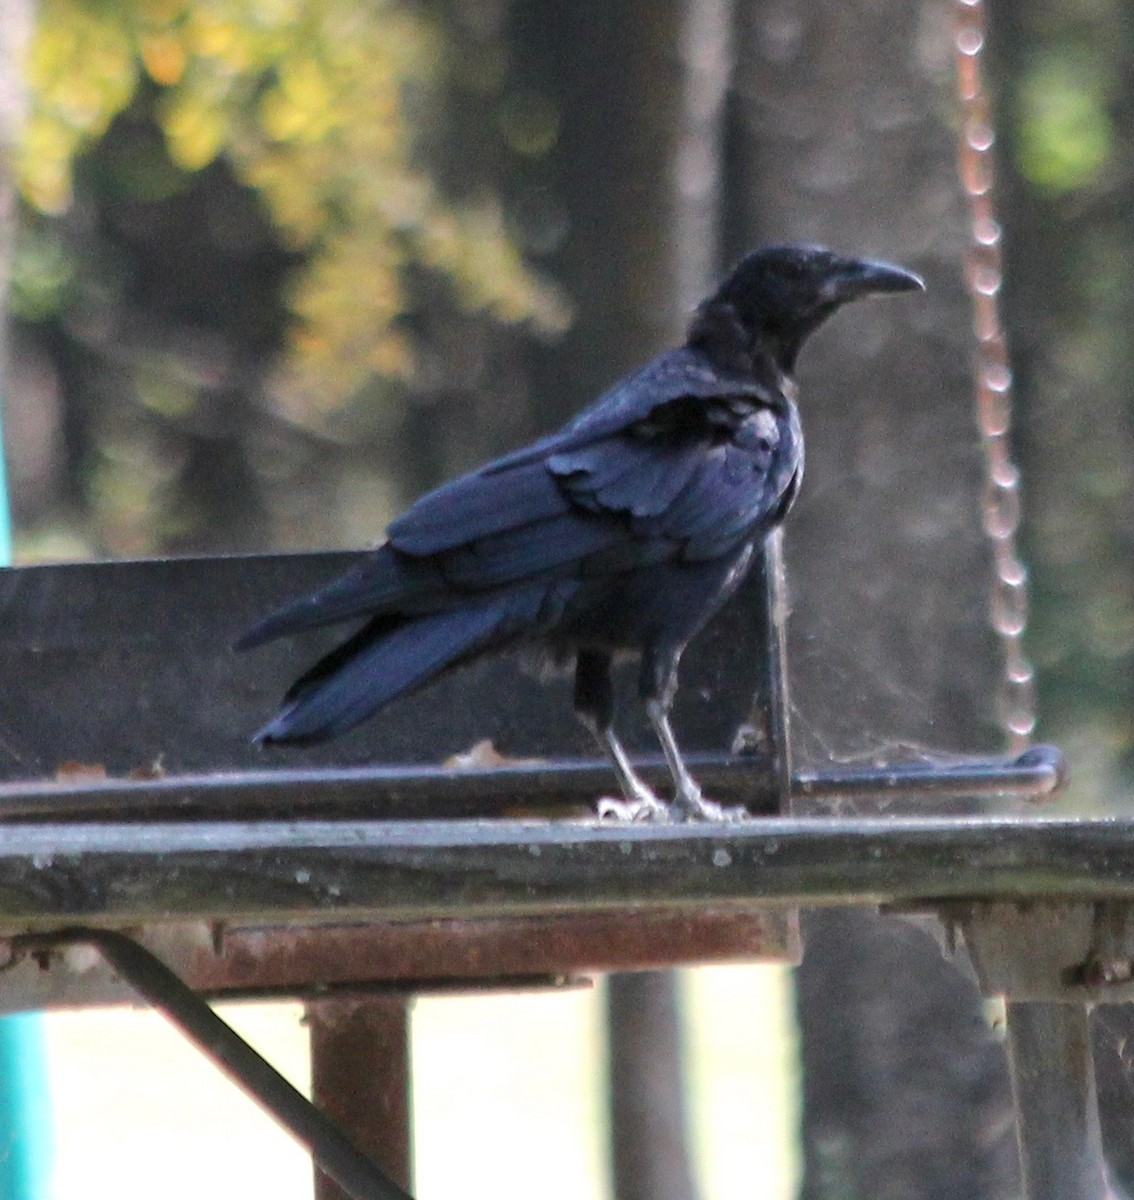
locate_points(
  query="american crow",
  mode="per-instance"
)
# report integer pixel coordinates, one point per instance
(622, 533)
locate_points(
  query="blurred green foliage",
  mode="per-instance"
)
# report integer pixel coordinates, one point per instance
(310, 103)
(1066, 136)
(42, 272)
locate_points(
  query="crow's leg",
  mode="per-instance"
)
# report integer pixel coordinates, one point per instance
(657, 686)
(594, 705)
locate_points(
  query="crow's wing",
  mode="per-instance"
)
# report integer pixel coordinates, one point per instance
(489, 501)
(390, 657)
(742, 487)
(661, 468)
(519, 488)
(686, 373)
(701, 478)
(693, 480)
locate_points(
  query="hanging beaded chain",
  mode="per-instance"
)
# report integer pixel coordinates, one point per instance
(1000, 501)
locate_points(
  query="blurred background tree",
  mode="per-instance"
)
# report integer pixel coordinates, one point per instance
(240, 245)
(1066, 103)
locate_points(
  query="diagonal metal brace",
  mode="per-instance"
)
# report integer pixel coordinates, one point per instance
(334, 1153)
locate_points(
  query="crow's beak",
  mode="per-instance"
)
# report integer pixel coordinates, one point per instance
(856, 277)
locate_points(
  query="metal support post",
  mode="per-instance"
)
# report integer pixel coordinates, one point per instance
(1058, 1116)
(360, 1077)
(648, 1137)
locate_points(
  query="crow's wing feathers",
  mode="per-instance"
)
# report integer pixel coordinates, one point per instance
(738, 490)
(676, 462)
(628, 474)
(701, 475)
(380, 582)
(692, 479)
(540, 550)
(683, 374)
(391, 657)
(486, 502)
(518, 488)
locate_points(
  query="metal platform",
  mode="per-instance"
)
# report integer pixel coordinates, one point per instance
(146, 848)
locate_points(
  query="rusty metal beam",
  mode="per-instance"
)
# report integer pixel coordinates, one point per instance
(236, 962)
(420, 953)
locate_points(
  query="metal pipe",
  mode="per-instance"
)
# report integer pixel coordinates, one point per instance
(438, 791)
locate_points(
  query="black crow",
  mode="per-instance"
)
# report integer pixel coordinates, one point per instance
(623, 533)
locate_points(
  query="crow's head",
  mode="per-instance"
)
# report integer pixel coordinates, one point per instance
(776, 296)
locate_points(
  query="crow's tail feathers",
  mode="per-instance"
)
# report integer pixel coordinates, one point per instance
(381, 582)
(390, 657)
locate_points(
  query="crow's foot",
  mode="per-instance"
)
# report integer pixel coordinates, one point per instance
(650, 810)
(692, 806)
(641, 809)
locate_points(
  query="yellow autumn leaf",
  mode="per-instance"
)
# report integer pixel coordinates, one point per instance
(164, 57)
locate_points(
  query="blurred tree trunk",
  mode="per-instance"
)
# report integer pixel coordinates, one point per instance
(639, 87)
(614, 73)
(842, 137)
(905, 1095)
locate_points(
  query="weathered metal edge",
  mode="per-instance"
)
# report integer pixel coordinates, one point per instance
(123, 874)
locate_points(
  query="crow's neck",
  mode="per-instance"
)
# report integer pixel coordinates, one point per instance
(732, 344)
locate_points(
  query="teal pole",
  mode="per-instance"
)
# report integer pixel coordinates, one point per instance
(25, 1109)
(25, 1103)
